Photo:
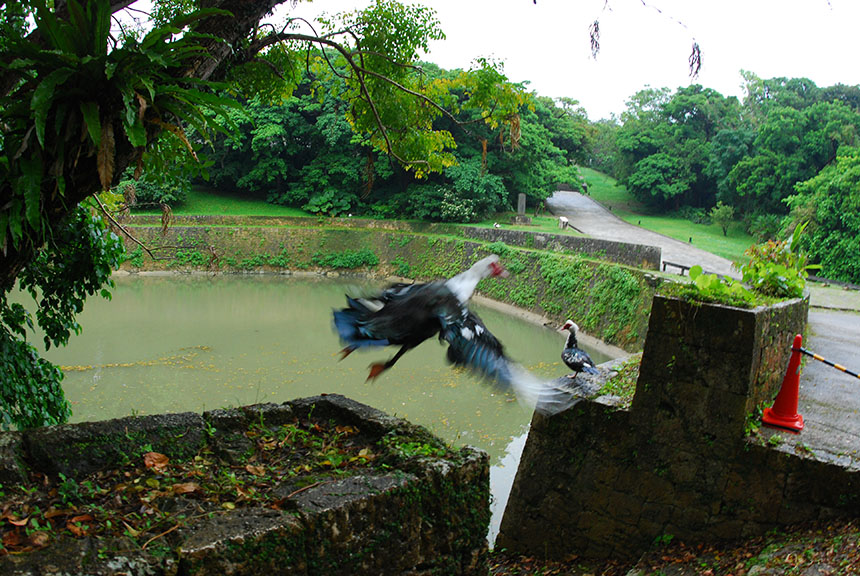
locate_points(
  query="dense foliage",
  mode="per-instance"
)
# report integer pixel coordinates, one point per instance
(304, 153)
(77, 263)
(830, 204)
(69, 106)
(786, 148)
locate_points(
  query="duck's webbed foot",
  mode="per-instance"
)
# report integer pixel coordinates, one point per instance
(376, 369)
(346, 352)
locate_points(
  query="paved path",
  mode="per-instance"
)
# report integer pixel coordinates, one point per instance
(590, 217)
(829, 400)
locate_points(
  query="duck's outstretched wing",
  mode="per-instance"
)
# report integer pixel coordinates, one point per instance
(470, 344)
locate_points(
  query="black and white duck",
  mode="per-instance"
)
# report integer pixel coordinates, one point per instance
(573, 356)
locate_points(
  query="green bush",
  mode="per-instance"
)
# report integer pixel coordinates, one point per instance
(146, 193)
(777, 268)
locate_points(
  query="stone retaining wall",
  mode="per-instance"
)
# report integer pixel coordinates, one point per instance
(638, 255)
(423, 509)
(605, 482)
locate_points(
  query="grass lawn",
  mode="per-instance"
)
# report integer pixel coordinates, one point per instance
(708, 237)
(545, 224)
(210, 201)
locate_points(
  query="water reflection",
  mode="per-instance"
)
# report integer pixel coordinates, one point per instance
(193, 343)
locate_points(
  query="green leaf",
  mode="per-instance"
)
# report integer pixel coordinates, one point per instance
(90, 110)
(16, 223)
(43, 98)
(136, 133)
(51, 29)
(29, 185)
(183, 21)
(102, 26)
(158, 36)
(695, 271)
(4, 226)
(79, 20)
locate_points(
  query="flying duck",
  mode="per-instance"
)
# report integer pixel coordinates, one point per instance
(406, 315)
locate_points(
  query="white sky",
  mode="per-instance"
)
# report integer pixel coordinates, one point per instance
(547, 43)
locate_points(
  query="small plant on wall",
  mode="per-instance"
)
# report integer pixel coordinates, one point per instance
(774, 270)
(777, 268)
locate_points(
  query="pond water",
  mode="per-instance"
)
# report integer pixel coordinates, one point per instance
(193, 343)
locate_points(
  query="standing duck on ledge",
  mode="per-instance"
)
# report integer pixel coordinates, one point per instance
(406, 315)
(576, 359)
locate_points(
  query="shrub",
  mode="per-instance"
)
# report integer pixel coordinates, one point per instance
(695, 215)
(764, 227)
(145, 193)
(777, 268)
(329, 203)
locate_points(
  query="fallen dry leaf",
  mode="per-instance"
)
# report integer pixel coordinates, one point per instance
(12, 539)
(155, 460)
(186, 488)
(39, 539)
(255, 470)
(131, 531)
(54, 512)
(78, 531)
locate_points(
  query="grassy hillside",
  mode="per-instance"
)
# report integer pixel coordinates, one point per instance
(705, 236)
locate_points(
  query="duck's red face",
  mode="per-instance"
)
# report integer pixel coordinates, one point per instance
(497, 269)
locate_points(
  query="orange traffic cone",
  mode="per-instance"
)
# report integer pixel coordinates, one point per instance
(783, 413)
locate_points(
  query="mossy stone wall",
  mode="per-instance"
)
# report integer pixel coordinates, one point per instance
(605, 482)
(638, 255)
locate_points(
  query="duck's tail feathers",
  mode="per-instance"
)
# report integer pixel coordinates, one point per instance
(590, 369)
(543, 395)
(347, 323)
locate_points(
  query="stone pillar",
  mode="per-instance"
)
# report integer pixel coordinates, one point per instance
(521, 217)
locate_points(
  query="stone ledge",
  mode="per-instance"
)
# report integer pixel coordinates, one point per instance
(411, 512)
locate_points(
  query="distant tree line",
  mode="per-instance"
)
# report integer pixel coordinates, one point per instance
(789, 153)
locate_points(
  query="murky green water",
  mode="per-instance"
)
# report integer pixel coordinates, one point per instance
(193, 343)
